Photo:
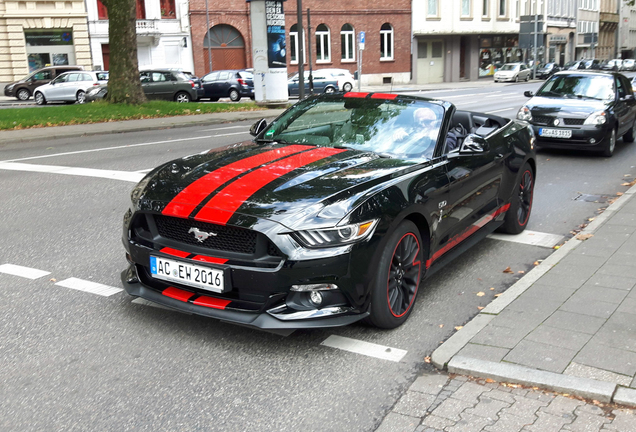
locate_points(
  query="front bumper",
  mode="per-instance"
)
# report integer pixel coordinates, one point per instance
(505, 78)
(584, 137)
(8, 91)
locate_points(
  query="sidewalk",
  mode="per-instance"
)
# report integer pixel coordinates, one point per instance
(568, 326)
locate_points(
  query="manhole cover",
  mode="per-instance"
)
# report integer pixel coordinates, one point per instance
(592, 198)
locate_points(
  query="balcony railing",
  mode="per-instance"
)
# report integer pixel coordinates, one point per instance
(147, 26)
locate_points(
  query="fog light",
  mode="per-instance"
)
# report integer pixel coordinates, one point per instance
(315, 297)
(314, 287)
(592, 140)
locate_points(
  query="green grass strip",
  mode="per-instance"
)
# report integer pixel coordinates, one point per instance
(98, 112)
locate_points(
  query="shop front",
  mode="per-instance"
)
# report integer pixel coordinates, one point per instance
(49, 47)
(495, 50)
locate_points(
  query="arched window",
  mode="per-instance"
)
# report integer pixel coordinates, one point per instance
(347, 45)
(323, 42)
(386, 42)
(223, 36)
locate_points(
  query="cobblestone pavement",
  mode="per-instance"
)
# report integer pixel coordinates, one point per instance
(454, 403)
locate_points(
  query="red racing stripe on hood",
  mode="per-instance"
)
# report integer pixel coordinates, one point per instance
(223, 205)
(190, 197)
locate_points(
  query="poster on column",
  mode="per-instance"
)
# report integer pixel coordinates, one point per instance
(276, 45)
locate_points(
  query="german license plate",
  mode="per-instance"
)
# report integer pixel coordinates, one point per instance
(188, 274)
(555, 133)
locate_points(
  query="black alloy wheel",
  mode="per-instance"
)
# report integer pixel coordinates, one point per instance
(518, 213)
(397, 278)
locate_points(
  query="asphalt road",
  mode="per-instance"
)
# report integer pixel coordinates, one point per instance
(74, 360)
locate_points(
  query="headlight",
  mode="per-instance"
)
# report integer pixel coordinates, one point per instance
(524, 114)
(336, 236)
(597, 118)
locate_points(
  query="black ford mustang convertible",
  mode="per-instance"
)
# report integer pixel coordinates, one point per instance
(334, 213)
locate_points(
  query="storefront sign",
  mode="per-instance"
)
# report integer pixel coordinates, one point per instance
(48, 37)
(558, 39)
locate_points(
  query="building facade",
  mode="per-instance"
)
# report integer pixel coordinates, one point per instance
(588, 15)
(627, 31)
(221, 36)
(609, 19)
(39, 33)
(461, 40)
(560, 30)
(163, 34)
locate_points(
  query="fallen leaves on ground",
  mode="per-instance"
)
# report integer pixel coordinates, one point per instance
(480, 294)
(497, 295)
(441, 325)
(536, 263)
(508, 270)
(480, 307)
(492, 288)
(458, 328)
(521, 272)
(584, 237)
(427, 359)
(619, 193)
(53, 280)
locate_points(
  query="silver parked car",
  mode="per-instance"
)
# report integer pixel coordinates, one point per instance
(513, 72)
(69, 87)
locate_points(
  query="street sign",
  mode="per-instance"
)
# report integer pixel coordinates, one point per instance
(361, 40)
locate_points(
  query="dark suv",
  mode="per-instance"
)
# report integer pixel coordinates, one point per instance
(23, 89)
(228, 83)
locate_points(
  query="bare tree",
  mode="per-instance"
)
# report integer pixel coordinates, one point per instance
(124, 85)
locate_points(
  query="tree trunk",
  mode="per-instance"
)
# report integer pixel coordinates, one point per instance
(124, 85)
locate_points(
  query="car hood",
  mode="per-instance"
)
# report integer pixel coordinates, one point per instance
(540, 105)
(294, 185)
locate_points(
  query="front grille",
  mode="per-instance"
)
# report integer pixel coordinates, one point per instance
(573, 122)
(227, 239)
(541, 119)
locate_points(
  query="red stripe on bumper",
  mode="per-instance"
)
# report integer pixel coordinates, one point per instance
(223, 205)
(210, 259)
(384, 95)
(450, 244)
(356, 95)
(175, 252)
(211, 302)
(177, 294)
(189, 198)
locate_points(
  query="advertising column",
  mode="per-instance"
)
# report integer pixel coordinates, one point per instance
(269, 52)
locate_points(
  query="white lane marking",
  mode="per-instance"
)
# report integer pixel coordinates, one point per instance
(109, 148)
(501, 110)
(533, 238)
(230, 134)
(89, 287)
(25, 272)
(364, 348)
(84, 172)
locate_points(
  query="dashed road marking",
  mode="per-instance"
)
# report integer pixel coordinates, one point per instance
(83, 172)
(25, 272)
(89, 287)
(365, 348)
(533, 238)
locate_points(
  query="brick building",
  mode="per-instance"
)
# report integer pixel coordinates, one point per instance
(334, 28)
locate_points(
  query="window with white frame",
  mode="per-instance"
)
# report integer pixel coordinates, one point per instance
(484, 8)
(294, 45)
(386, 42)
(347, 45)
(432, 9)
(502, 8)
(323, 42)
(465, 8)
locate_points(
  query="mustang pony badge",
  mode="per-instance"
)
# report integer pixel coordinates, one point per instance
(201, 235)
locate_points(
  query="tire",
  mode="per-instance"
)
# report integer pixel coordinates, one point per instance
(517, 78)
(234, 95)
(39, 98)
(23, 94)
(329, 90)
(347, 87)
(182, 97)
(608, 151)
(397, 277)
(81, 97)
(630, 135)
(527, 77)
(518, 213)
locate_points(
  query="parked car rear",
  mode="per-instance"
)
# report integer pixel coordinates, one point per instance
(23, 88)
(69, 87)
(233, 84)
(323, 83)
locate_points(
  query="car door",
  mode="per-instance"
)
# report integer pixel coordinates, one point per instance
(223, 83)
(208, 84)
(146, 84)
(39, 79)
(475, 179)
(625, 105)
(58, 87)
(293, 86)
(162, 85)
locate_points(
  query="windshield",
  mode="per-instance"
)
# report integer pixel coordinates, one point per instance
(508, 67)
(401, 129)
(579, 86)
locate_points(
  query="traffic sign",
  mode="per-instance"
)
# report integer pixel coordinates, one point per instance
(361, 40)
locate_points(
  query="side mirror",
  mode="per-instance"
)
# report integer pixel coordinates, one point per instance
(473, 144)
(258, 127)
(528, 93)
